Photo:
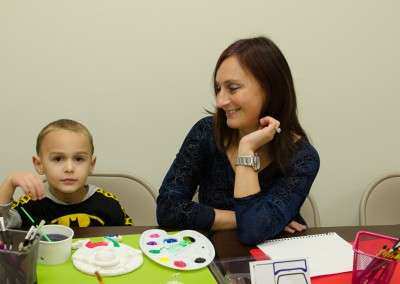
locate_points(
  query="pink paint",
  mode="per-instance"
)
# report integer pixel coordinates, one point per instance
(154, 236)
(179, 263)
(96, 244)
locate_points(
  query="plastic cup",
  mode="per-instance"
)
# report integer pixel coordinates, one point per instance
(57, 251)
(18, 266)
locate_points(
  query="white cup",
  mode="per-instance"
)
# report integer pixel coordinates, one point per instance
(55, 252)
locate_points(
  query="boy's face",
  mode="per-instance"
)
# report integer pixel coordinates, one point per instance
(66, 160)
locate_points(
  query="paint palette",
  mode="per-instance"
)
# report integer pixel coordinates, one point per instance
(186, 250)
(109, 258)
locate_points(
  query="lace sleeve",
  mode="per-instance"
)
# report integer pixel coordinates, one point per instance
(175, 207)
(264, 215)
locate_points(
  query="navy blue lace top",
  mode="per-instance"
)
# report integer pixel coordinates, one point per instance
(200, 165)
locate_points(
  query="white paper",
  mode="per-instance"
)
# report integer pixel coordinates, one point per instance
(326, 253)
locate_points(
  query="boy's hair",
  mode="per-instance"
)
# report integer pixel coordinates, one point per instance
(65, 124)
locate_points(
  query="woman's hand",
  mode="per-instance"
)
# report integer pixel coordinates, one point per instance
(294, 227)
(254, 140)
(224, 220)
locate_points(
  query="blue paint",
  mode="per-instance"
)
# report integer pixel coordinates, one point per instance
(170, 241)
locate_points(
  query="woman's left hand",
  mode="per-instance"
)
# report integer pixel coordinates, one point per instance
(295, 227)
(265, 133)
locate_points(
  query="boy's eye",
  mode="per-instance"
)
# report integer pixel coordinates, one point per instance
(79, 159)
(57, 159)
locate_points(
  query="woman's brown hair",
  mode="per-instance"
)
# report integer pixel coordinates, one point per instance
(263, 59)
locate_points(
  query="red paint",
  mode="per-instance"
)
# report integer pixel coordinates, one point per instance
(179, 263)
(96, 244)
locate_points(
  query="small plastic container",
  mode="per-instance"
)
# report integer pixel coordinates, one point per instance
(18, 266)
(56, 251)
(368, 265)
(223, 270)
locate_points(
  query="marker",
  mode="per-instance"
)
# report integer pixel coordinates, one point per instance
(3, 233)
(374, 266)
(28, 236)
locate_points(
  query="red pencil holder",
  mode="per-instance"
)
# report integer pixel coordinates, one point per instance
(368, 266)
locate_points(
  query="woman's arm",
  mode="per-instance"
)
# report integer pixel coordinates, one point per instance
(265, 214)
(246, 180)
(175, 208)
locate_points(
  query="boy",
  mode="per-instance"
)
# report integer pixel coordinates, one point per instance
(64, 154)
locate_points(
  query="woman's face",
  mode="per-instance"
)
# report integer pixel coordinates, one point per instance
(239, 95)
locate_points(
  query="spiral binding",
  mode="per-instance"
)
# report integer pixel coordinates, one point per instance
(301, 237)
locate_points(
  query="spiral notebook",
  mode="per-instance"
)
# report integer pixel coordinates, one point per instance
(326, 253)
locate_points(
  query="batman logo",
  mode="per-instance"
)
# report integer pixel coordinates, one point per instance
(78, 220)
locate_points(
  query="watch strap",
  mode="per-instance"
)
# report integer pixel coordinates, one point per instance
(249, 161)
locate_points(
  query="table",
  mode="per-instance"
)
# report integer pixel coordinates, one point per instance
(227, 245)
(102, 231)
(149, 272)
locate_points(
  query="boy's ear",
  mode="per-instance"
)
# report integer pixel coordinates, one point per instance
(38, 165)
(92, 164)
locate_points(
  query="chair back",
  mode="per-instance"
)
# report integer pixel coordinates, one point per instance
(309, 211)
(380, 202)
(136, 196)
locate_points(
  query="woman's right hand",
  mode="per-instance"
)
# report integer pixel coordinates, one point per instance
(254, 140)
(30, 183)
(224, 220)
(294, 226)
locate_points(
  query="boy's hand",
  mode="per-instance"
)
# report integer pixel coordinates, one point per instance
(30, 183)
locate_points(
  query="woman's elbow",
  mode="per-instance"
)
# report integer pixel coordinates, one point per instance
(248, 239)
(253, 233)
(163, 218)
(254, 238)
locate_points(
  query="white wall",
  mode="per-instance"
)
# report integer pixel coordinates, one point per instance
(138, 74)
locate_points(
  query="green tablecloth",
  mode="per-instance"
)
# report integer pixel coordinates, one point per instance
(149, 272)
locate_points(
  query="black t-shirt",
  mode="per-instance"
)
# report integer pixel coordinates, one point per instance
(100, 209)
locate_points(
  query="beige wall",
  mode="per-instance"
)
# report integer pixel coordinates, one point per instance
(138, 74)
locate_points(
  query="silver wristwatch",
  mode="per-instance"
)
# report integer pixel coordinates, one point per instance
(249, 161)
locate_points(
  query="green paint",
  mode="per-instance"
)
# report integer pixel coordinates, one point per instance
(115, 243)
(189, 240)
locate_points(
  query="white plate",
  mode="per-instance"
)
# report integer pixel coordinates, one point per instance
(185, 250)
(106, 258)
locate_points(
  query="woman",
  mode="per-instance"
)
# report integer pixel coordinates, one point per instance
(251, 162)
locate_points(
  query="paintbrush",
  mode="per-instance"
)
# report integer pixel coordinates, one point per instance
(99, 278)
(34, 223)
